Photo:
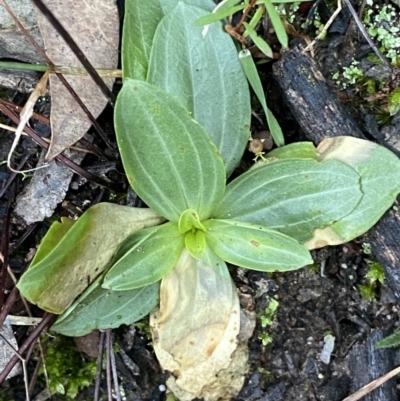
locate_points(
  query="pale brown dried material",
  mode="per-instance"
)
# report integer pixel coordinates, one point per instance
(95, 28)
(195, 331)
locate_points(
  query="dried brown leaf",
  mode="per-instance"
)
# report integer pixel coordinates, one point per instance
(196, 329)
(95, 28)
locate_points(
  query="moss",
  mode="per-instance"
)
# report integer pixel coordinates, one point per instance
(374, 276)
(375, 272)
(67, 371)
(394, 102)
(368, 291)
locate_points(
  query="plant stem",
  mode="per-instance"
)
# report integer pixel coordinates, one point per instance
(103, 72)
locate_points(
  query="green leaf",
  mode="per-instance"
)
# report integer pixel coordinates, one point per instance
(140, 23)
(293, 196)
(82, 255)
(169, 5)
(220, 13)
(390, 341)
(394, 101)
(297, 150)
(256, 18)
(53, 236)
(380, 184)
(203, 73)
(168, 157)
(258, 41)
(251, 72)
(189, 220)
(277, 23)
(101, 309)
(255, 247)
(150, 255)
(195, 242)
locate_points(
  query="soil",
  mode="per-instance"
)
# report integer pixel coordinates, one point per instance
(320, 300)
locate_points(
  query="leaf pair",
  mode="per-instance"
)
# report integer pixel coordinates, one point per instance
(202, 72)
(185, 179)
(148, 258)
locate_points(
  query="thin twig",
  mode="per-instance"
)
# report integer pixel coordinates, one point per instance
(12, 296)
(48, 320)
(245, 14)
(77, 51)
(35, 373)
(4, 249)
(99, 366)
(86, 110)
(17, 108)
(64, 81)
(23, 237)
(326, 27)
(13, 175)
(372, 386)
(365, 34)
(103, 72)
(26, 33)
(88, 148)
(14, 280)
(15, 352)
(108, 368)
(63, 159)
(114, 372)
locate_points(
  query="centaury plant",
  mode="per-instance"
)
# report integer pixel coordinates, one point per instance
(177, 152)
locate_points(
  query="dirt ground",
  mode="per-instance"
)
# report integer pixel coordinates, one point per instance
(320, 300)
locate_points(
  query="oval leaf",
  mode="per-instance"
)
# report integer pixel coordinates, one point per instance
(297, 150)
(150, 255)
(140, 23)
(101, 309)
(293, 196)
(380, 182)
(186, 172)
(195, 243)
(195, 331)
(255, 247)
(204, 74)
(53, 236)
(82, 255)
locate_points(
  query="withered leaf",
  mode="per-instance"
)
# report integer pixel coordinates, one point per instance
(195, 330)
(95, 28)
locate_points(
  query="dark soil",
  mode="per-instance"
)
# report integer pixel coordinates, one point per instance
(313, 302)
